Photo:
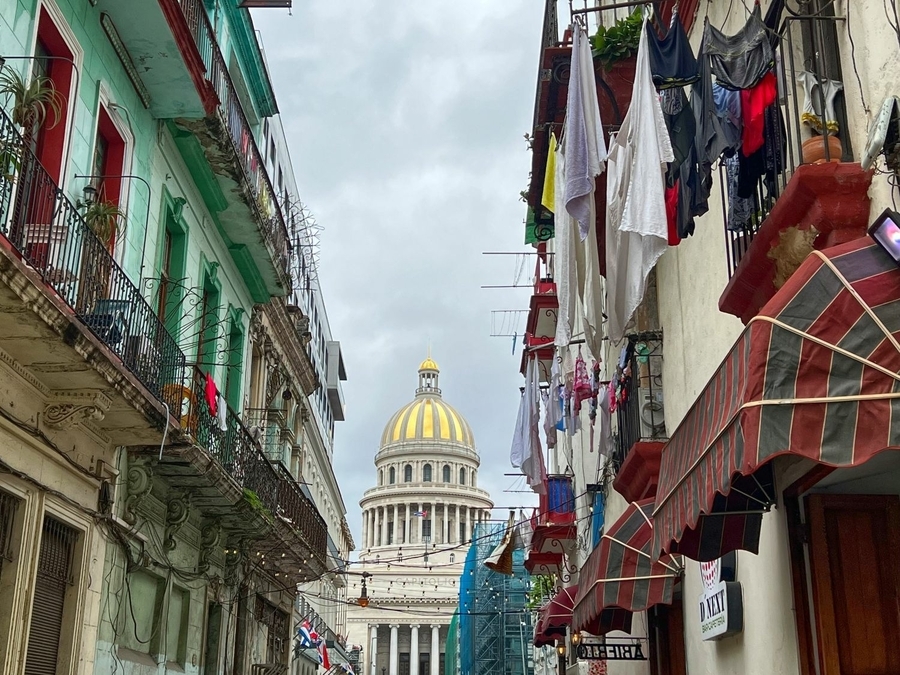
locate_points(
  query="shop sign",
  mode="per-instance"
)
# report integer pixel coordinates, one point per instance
(611, 652)
(721, 605)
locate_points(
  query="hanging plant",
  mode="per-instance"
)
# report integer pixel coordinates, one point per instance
(618, 41)
(33, 101)
(105, 219)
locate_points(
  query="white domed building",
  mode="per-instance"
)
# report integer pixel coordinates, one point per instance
(417, 524)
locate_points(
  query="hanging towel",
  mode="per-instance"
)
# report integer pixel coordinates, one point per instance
(526, 451)
(548, 197)
(583, 135)
(636, 230)
(564, 260)
(211, 392)
(222, 413)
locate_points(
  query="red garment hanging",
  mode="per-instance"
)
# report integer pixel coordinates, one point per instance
(753, 108)
(211, 393)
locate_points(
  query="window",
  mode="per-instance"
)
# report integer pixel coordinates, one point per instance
(176, 625)
(142, 601)
(50, 140)
(462, 532)
(392, 475)
(426, 527)
(452, 558)
(235, 364)
(207, 335)
(426, 473)
(462, 476)
(8, 505)
(56, 567)
(381, 476)
(109, 161)
(407, 474)
(446, 473)
(276, 623)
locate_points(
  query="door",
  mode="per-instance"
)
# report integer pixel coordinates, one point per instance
(855, 582)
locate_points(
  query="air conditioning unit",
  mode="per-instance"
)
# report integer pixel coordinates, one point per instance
(652, 413)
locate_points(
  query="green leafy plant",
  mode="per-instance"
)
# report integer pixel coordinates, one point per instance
(105, 219)
(33, 101)
(542, 588)
(618, 41)
(256, 504)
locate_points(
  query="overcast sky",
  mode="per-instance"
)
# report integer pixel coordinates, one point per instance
(405, 120)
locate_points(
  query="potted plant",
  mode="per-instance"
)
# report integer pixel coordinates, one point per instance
(106, 220)
(615, 55)
(33, 101)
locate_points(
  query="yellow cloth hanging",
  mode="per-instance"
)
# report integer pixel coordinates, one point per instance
(548, 197)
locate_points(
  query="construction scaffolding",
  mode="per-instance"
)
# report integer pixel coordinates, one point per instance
(495, 627)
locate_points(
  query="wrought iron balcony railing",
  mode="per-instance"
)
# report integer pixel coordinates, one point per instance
(274, 224)
(240, 454)
(46, 229)
(640, 413)
(808, 52)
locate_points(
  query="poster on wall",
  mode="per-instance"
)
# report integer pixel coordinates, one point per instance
(721, 605)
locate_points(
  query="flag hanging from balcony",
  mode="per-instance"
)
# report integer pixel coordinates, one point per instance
(305, 633)
(323, 655)
(420, 514)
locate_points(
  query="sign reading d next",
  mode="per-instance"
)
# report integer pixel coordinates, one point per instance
(721, 604)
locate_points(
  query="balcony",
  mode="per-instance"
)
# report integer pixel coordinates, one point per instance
(230, 480)
(186, 80)
(640, 416)
(82, 325)
(553, 524)
(812, 195)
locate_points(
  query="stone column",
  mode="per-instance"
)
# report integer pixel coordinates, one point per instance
(376, 534)
(469, 523)
(435, 650)
(395, 532)
(372, 527)
(373, 652)
(365, 527)
(394, 657)
(384, 522)
(454, 526)
(421, 520)
(414, 649)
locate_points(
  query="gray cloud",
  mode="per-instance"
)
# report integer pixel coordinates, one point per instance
(405, 121)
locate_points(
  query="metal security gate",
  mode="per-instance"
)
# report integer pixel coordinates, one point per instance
(54, 575)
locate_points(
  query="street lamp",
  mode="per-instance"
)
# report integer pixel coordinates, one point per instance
(363, 600)
(561, 654)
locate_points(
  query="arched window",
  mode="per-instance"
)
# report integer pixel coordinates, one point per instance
(452, 558)
(426, 473)
(462, 476)
(407, 474)
(446, 473)
(392, 476)
(381, 476)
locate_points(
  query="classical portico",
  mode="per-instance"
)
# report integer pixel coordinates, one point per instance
(417, 522)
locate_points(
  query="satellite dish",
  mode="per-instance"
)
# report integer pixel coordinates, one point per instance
(884, 136)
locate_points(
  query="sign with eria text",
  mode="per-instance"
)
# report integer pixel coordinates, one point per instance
(611, 652)
(721, 604)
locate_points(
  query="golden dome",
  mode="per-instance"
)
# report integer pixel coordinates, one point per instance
(428, 417)
(429, 364)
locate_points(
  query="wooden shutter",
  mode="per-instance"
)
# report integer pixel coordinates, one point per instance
(54, 575)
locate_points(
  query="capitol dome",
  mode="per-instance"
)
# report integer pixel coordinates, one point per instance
(428, 417)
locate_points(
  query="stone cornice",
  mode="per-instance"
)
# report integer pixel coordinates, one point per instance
(288, 343)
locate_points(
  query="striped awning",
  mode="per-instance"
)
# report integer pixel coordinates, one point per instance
(554, 617)
(815, 375)
(620, 576)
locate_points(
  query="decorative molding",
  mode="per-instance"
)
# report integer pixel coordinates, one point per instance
(24, 373)
(210, 536)
(70, 409)
(140, 485)
(178, 510)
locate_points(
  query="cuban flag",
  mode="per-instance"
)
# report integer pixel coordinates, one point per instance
(347, 668)
(420, 514)
(305, 636)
